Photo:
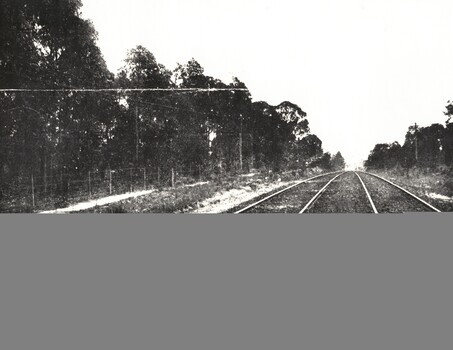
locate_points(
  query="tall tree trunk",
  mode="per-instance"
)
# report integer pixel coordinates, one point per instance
(45, 170)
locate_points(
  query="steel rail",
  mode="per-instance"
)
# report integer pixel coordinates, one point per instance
(280, 192)
(367, 193)
(405, 191)
(320, 192)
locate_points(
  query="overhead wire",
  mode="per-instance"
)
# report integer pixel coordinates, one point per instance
(69, 89)
(13, 90)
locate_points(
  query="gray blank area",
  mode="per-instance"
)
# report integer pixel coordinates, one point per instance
(226, 282)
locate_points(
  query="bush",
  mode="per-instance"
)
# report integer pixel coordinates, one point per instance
(449, 187)
(117, 209)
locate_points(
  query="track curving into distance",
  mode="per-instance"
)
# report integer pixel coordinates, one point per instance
(317, 195)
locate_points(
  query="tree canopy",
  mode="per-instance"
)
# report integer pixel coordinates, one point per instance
(424, 147)
(45, 44)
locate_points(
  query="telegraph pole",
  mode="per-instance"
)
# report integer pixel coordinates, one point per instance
(416, 142)
(136, 135)
(240, 146)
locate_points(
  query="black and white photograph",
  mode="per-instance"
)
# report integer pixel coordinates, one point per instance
(334, 109)
(238, 106)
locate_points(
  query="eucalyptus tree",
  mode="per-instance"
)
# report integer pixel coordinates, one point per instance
(144, 132)
(45, 44)
(447, 143)
(338, 162)
(197, 113)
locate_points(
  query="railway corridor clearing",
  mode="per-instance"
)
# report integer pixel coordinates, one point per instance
(342, 192)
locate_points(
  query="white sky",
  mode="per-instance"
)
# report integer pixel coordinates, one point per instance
(363, 70)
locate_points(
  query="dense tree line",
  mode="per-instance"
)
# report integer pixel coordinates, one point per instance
(424, 147)
(45, 44)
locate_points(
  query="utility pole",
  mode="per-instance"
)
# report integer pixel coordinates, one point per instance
(251, 155)
(207, 123)
(33, 190)
(136, 135)
(240, 145)
(416, 142)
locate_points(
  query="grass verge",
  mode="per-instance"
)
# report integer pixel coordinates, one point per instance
(185, 199)
(435, 187)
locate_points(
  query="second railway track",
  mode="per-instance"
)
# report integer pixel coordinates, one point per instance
(392, 198)
(290, 199)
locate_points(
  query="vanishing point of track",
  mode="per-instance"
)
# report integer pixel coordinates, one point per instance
(323, 193)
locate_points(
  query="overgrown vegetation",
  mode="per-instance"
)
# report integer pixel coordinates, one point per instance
(186, 199)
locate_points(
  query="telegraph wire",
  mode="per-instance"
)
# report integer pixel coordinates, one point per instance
(15, 90)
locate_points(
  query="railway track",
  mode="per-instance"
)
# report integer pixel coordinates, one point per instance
(392, 198)
(341, 192)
